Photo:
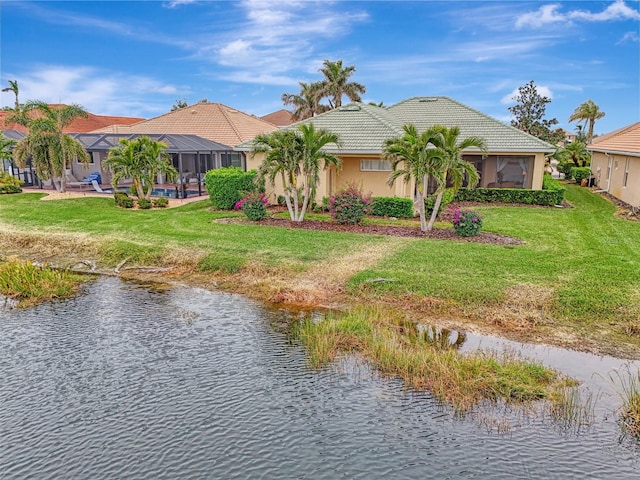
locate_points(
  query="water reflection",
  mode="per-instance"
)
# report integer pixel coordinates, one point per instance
(129, 381)
(441, 337)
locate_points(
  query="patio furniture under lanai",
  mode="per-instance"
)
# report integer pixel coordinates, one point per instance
(191, 155)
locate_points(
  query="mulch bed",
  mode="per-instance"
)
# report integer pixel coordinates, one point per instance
(397, 231)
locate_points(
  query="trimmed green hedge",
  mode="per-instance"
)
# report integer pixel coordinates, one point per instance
(512, 195)
(580, 173)
(227, 186)
(392, 207)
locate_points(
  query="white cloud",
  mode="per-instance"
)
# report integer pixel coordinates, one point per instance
(545, 15)
(542, 90)
(277, 38)
(549, 14)
(629, 37)
(100, 92)
(178, 3)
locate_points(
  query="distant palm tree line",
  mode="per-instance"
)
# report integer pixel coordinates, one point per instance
(335, 85)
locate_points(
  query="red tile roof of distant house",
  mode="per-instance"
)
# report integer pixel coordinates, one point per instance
(213, 121)
(281, 118)
(623, 140)
(79, 125)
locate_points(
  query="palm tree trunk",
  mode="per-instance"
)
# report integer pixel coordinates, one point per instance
(295, 204)
(287, 196)
(436, 208)
(305, 203)
(421, 211)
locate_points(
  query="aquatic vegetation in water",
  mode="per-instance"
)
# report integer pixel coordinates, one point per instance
(630, 394)
(397, 347)
(30, 284)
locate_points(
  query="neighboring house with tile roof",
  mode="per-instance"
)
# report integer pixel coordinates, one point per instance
(281, 118)
(515, 159)
(79, 125)
(213, 121)
(615, 163)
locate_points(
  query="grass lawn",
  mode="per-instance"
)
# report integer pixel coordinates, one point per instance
(578, 270)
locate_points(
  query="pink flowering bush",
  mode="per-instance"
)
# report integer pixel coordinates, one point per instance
(254, 206)
(350, 206)
(466, 223)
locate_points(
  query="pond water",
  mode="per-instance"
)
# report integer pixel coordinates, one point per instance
(133, 381)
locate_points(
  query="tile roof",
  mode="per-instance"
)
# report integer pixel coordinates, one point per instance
(281, 118)
(624, 140)
(213, 121)
(425, 112)
(364, 128)
(79, 125)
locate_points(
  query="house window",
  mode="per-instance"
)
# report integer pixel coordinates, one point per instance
(626, 172)
(375, 166)
(231, 159)
(514, 171)
(94, 157)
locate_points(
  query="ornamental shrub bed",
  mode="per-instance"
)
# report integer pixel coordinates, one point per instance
(466, 223)
(9, 183)
(123, 200)
(349, 206)
(254, 206)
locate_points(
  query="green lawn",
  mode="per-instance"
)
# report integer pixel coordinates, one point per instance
(587, 257)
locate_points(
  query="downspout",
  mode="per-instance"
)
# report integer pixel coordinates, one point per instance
(610, 169)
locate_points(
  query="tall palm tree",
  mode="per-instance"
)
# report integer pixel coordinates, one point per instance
(140, 159)
(296, 156)
(336, 83)
(454, 167)
(13, 87)
(315, 159)
(51, 150)
(587, 113)
(307, 102)
(414, 157)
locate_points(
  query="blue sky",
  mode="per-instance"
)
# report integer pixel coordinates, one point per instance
(137, 58)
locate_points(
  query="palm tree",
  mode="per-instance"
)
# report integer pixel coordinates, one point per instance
(6, 146)
(282, 152)
(587, 113)
(336, 83)
(577, 153)
(307, 102)
(413, 156)
(140, 159)
(51, 150)
(454, 167)
(314, 159)
(296, 158)
(13, 87)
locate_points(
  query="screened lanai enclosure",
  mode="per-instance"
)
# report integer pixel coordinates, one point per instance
(192, 157)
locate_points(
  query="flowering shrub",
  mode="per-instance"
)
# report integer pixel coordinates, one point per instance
(254, 206)
(466, 223)
(349, 206)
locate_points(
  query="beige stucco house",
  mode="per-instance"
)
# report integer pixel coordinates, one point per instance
(515, 159)
(615, 163)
